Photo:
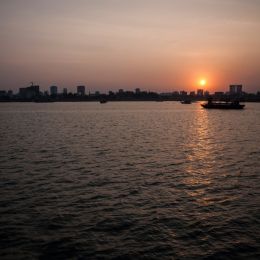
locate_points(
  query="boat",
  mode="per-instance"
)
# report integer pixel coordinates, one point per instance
(44, 100)
(222, 105)
(159, 100)
(103, 101)
(186, 101)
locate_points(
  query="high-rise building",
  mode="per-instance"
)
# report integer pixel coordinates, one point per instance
(29, 92)
(206, 93)
(235, 89)
(137, 91)
(200, 92)
(53, 90)
(81, 90)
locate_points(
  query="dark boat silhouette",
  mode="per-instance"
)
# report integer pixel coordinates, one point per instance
(44, 100)
(159, 100)
(103, 101)
(222, 105)
(186, 101)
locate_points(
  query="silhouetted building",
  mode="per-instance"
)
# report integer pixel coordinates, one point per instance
(29, 92)
(200, 92)
(206, 93)
(81, 90)
(10, 93)
(65, 91)
(192, 94)
(235, 89)
(219, 93)
(2, 93)
(53, 90)
(120, 91)
(183, 93)
(137, 91)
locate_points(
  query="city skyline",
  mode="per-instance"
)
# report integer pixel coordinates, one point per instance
(160, 46)
(86, 90)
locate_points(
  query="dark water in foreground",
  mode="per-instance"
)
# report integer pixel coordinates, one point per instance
(133, 180)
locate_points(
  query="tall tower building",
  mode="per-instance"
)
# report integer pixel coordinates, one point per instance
(53, 90)
(235, 89)
(81, 90)
(200, 92)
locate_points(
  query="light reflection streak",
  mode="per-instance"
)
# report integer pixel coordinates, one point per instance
(200, 159)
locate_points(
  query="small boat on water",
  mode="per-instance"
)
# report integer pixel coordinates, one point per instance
(159, 100)
(222, 105)
(103, 101)
(44, 100)
(186, 101)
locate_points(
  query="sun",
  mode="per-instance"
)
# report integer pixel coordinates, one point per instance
(203, 82)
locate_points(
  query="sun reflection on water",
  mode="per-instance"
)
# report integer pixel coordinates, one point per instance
(200, 158)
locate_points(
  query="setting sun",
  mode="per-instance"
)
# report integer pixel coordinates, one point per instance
(203, 82)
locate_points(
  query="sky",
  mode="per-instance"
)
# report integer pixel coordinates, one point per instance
(156, 45)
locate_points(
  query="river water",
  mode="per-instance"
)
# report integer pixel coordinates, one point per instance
(129, 180)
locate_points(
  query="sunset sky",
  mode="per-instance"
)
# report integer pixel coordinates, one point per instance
(160, 45)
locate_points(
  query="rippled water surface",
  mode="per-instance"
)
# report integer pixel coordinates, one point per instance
(129, 180)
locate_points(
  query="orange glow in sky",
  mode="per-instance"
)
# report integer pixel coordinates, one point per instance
(154, 45)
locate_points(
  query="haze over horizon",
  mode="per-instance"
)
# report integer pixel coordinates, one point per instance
(161, 45)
